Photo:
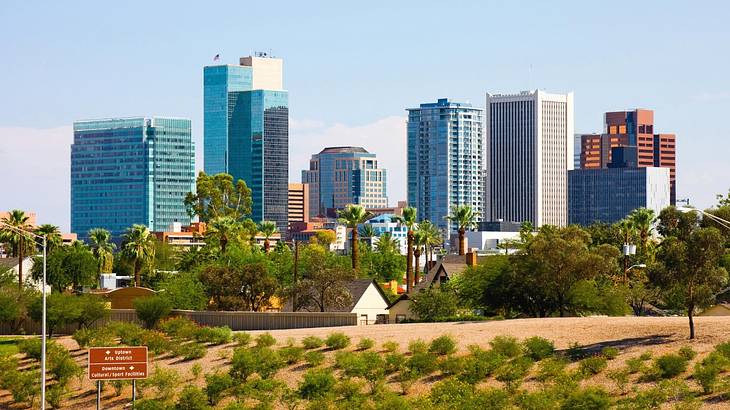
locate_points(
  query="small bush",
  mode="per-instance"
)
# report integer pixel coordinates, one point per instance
(670, 365)
(151, 404)
(55, 394)
(24, 385)
(451, 392)
(506, 346)
(263, 361)
(337, 341)
(312, 342)
(314, 358)
(196, 371)
(189, 351)
(62, 366)
(156, 342)
(551, 368)
(192, 398)
(163, 380)
(265, 340)
(365, 344)
(214, 335)
(31, 347)
(394, 361)
(119, 386)
(390, 346)
(706, 375)
(417, 346)
(645, 356)
(635, 365)
(127, 332)
(216, 384)
(242, 338)
(480, 364)
(610, 352)
(442, 345)
(512, 372)
(88, 337)
(593, 365)
(317, 383)
(151, 310)
(621, 378)
(451, 365)
(291, 354)
(593, 398)
(422, 364)
(406, 379)
(687, 352)
(538, 348)
(179, 327)
(489, 399)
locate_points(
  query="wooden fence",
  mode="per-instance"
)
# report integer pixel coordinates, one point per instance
(234, 320)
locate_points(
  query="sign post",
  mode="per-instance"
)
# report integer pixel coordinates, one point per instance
(117, 363)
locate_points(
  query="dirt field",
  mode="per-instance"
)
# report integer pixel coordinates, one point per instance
(631, 335)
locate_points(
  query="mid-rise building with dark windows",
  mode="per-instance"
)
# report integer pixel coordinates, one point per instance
(631, 128)
(339, 176)
(127, 171)
(246, 131)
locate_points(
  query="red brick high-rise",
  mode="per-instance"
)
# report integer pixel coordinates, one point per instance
(631, 128)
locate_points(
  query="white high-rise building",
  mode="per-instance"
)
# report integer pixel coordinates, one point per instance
(529, 148)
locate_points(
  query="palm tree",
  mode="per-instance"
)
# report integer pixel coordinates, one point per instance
(103, 248)
(387, 243)
(367, 231)
(433, 238)
(352, 216)
(642, 220)
(408, 219)
(420, 240)
(223, 228)
(139, 246)
(17, 243)
(52, 234)
(465, 218)
(267, 229)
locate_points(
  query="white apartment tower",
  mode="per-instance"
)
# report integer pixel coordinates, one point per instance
(529, 148)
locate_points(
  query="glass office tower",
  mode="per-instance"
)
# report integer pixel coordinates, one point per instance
(246, 131)
(127, 171)
(445, 160)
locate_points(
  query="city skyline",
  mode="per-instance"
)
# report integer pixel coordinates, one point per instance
(343, 99)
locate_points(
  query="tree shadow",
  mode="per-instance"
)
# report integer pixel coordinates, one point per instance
(621, 344)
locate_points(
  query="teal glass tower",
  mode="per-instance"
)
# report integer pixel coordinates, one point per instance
(246, 131)
(127, 171)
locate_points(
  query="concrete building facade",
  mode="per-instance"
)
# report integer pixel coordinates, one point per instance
(529, 144)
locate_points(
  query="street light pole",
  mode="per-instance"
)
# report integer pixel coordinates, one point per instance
(43, 314)
(722, 222)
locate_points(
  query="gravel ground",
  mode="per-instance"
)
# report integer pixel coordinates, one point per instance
(631, 335)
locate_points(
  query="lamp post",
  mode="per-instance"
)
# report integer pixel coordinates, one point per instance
(43, 314)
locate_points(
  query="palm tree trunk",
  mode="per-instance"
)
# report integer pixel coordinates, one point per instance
(136, 273)
(224, 242)
(409, 262)
(417, 257)
(266, 245)
(355, 250)
(462, 245)
(20, 262)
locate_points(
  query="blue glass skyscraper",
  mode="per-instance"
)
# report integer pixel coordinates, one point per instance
(127, 171)
(445, 160)
(246, 131)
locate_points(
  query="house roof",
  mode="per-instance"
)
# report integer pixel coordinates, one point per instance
(8, 262)
(357, 288)
(449, 265)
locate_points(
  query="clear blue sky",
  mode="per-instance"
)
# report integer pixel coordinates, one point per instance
(349, 66)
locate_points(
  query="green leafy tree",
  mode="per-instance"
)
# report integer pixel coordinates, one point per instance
(184, 291)
(217, 196)
(103, 249)
(225, 230)
(324, 277)
(408, 219)
(15, 304)
(61, 309)
(17, 243)
(643, 221)
(138, 246)
(556, 260)
(352, 216)
(689, 265)
(433, 238)
(367, 232)
(267, 229)
(66, 266)
(387, 243)
(434, 303)
(464, 217)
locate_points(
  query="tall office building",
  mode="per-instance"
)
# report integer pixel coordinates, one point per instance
(445, 159)
(127, 171)
(609, 194)
(529, 151)
(631, 128)
(339, 176)
(246, 131)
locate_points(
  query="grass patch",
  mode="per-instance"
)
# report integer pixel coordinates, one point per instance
(9, 345)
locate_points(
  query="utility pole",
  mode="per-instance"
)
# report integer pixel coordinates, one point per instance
(296, 274)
